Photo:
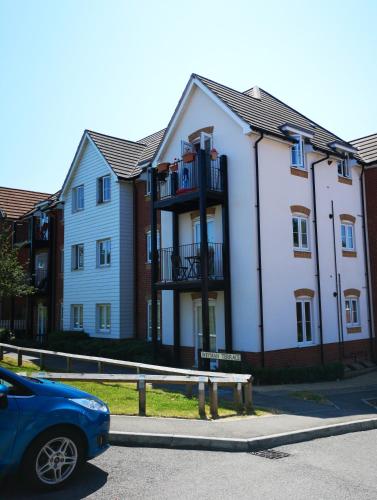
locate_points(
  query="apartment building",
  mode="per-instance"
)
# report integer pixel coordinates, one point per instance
(35, 222)
(262, 248)
(367, 149)
(105, 195)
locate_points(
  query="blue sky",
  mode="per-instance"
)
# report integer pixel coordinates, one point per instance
(120, 66)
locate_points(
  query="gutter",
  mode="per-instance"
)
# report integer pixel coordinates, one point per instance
(260, 277)
(317, 253)
(366, 263)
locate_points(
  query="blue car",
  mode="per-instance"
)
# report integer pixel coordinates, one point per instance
(48, 429)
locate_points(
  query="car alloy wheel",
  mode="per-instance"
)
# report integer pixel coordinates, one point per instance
(56, 460)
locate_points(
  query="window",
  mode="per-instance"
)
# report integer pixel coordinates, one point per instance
(300, 232)
(78, 198)
(348, 241)
(149, 245)
(343, 168)
(297, 153)
(104, 252)
(148, 187)
(352, 312)
(304, 321)
(103, 189)
(77, 257)
(77, 314)
(149, 320)
(104, 318)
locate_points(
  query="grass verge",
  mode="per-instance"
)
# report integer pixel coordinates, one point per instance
(122, 398)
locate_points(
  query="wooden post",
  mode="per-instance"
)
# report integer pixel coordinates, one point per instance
(138, 370)
(1, 353)
(189, 390)
(248, 391)
(238, 397)
(41, 361)
(99, 367)
(19, 358)
(69, 364)
(213, 398)
(142, 395)
(202, 397)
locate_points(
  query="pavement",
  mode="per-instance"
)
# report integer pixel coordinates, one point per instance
(337, 468)
(345, 409)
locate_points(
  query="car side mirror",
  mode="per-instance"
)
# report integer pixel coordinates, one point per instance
(3, 396)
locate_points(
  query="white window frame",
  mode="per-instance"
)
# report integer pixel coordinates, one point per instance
(76, 206)
(75, 259)
(343, 168)
(300, 246)
(149, 244)
(77, 310)
(149, 320)
(347, 226)
(107, 316)
(299, 146)
(352, 304)
(107, 252)
(148, 185)
(103, 195)
(302, 301)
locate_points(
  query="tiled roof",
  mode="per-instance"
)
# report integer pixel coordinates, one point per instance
(268, 113)
(122, 155)
(152, 142)
(367, 147)
(17, 202)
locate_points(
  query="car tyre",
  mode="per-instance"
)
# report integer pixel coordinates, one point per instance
(53, 458)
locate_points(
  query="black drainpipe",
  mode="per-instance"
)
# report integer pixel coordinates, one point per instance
(261, 325)
(372, 353)
(337, 293)
(135, 257)
(317, 254)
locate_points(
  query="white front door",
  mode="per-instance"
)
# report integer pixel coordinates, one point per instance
(42, 319)
(198, 330)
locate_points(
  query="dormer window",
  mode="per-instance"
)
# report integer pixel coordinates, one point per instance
(343, 168)
(297, 153)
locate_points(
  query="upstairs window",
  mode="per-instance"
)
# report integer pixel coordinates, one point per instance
(78, 198)
(104, 252)
(77, 257)
(347, 235)
(148, 186)
(343, 168)
(297, 153)
(104, 189)
(149, 245)
(300, 232)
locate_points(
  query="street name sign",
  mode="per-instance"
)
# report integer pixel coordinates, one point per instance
(225, 356)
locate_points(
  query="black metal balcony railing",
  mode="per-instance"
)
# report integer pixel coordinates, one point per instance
(41, 279)
(185, 178)
(41, 232)
(185, 265)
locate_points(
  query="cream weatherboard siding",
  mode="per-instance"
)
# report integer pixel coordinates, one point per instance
(94, 285)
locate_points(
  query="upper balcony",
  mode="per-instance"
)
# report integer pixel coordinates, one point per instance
(182, 269)
(179, 183)
(40, 280)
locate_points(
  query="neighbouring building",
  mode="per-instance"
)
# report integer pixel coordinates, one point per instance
(35, 222)
(367, 148)
(262, 245)
(106, 224)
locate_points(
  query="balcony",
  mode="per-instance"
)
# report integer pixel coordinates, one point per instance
(40, 280)
(184, 268)
(181, 183)
(41, 232)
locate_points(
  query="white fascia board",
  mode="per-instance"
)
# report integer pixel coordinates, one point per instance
(246, 128)
(291, 129)
(342, 147)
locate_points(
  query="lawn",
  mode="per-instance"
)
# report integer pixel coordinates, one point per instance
(122, 398)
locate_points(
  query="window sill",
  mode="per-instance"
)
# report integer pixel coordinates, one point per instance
(349, 253)
(299, 172)
(302, 254)
(305, 344)
(344, 180)
(147, 196)
(101, 332)
(104, 266)
(353, 329)
(78, 269)
(103, 202)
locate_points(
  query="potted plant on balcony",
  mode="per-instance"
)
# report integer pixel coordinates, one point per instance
(188, 157)
(163, 167)
(214, 154)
